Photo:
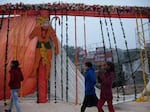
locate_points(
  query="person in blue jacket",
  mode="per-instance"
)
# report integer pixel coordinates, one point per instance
(90, 98)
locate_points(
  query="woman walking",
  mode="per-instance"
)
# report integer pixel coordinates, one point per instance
(106, 78)
(90, 98)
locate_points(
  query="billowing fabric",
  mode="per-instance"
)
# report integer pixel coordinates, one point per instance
(25, 52)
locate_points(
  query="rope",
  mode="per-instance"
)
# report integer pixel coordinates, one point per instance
(125, 40)
(120, 66)
(6, 56)
(49, 82)
(101, 26)
(110, 47)
(1, 23)
(141, 55)
(146, 58)
(55, 66)
(37, 85)
(62, 56)
(67, 56)
(56, 18)
(145, 47)
(108, 35)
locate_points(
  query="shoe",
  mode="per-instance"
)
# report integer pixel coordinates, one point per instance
(7, 110)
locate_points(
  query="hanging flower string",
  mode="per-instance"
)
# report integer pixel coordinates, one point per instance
(74, 7)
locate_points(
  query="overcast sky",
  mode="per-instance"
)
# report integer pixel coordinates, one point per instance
(93, 31)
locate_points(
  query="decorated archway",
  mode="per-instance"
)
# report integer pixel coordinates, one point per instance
(18, 29)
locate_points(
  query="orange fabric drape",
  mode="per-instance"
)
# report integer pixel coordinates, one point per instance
(29, 84)
(42, 84)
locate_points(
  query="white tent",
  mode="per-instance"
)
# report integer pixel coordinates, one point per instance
(71, 79)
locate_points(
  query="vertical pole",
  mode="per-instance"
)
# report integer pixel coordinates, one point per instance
(76, 62)
(141, 54)
(84, 40)
(66, 56)
(62, 56)
(146, 57)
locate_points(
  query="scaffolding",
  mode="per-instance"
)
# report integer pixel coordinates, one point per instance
(143, 41)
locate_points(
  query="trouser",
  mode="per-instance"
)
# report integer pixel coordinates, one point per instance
(89, 101)
(84, 105)
(101, 103)
(14, 100)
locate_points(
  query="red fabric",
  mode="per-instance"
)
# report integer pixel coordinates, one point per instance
(106, 81)
(15, 78)
(101, 103)
(25, 53)
(42, 84)
(25, 48)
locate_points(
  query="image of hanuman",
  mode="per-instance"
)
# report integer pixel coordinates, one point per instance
(46, 39)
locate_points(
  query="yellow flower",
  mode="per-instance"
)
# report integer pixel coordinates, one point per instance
(43, 53)
(42, 20)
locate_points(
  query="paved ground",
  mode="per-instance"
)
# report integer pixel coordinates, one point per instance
(32, 106)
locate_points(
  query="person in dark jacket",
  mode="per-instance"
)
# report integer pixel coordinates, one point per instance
(90, 98)
(16, 77)
(105, 78)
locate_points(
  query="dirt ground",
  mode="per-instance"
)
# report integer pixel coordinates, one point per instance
(32, 106)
